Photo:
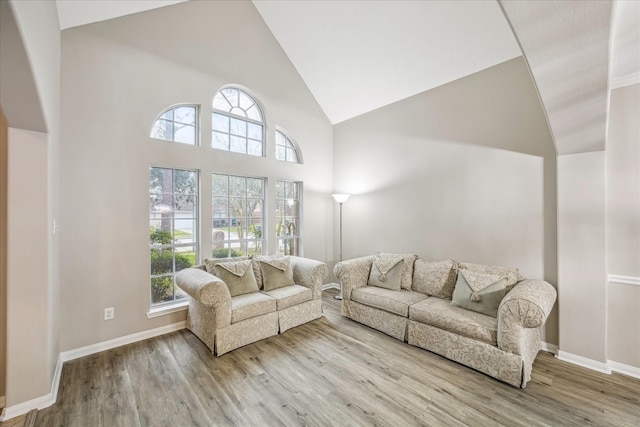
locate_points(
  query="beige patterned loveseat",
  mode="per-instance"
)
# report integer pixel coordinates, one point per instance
(225, 319)
(502, 344)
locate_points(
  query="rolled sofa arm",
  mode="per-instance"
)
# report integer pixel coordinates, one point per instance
(310, 273)
(353, 273)
(526, 306)
(207, 290)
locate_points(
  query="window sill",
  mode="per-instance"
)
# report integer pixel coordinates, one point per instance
(168, 309)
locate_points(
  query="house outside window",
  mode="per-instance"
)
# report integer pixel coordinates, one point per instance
(173, 229)
(288, 216)
(238, 215)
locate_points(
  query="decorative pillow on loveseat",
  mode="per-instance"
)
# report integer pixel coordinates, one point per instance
(275, 271)
(436, 278)
(386, 272)
(479, 292)
(210, 263)
(407, 269)
(238, 276)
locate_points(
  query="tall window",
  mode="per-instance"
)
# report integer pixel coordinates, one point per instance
(177, 124)
(285, 149)
(288, 217)
(238, 215)
(237, 121)
(173, 231)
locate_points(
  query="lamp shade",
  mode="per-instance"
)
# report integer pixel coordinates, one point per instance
(341, 198)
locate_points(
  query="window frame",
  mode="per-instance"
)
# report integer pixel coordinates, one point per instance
(247, 119)
(195, 243)
(227, 242)
(291, 145)
(196, 124)
(297, 236)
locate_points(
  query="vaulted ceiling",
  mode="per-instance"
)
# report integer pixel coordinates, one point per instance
(356, 56)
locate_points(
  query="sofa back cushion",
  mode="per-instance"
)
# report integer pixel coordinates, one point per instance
(436, 278)
(479, 292)
(238, 276)
(386, 272)
(407, 269)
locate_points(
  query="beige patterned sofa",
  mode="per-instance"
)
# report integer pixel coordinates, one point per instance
(502, 344)
(225, 319)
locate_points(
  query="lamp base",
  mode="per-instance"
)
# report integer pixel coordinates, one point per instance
(338, 297)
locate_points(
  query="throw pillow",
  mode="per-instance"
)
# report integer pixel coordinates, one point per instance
(386, 272)
(436, 278)
(510, 273)
(238, 276)
(275, 272)
(256, 265)
(210, 263)
(407, 269)
(479, 292)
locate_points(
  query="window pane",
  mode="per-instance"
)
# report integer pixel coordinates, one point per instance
(184, 230)
(220, 185)
(238, 144)
(254, 188)
(232, 96)
(185, 206)
(161, 180)
(185, 134)
(254, 247)
(238, 127)
(220, 141)
(220, 212)
(161, 261)
(220, 122)
(292, 156)
(238, 208)
(254, 148)
(254, 131)
(237, 186)
(161, 289)
(254, 113)
(185, 115)
(280, 189)
(168, 115)
(281, 153)
(292, 190)
(162, 129)
(280, 138)
(159, 235)
(185, 182)
(245, 101)
(220, 103)
(185, 257)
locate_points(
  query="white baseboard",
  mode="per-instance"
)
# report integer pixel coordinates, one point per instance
(117, 342)
(39, 402)
(549, 348)
(584, 362)
(50, 398)
(623, 280)
(623, 369)
(330, 286)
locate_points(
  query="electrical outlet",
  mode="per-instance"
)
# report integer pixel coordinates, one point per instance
(109, 313)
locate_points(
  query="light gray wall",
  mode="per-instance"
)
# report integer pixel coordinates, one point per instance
(463, 171)
(33, 281)
(581, 255)
(116, 77)
(623, 225)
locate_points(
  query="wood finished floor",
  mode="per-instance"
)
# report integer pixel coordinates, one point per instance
(330, 372)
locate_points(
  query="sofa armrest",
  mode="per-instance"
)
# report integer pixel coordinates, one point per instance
(208, 290)
(353, 273)
(310, 273)
(527, 305)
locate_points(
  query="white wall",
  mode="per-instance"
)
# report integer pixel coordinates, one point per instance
(33, 285)
(581, 256)
(116, 77)
(623, 226)
(464, 171)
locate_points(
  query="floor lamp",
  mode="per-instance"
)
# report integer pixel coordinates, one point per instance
(340, 198)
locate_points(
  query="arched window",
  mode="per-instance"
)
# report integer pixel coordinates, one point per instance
(179, 124)
(286, 149)
(237, 122)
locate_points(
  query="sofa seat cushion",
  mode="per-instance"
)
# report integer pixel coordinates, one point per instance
(291, 295)
(246, 306)
(396, 302)
(440, 313)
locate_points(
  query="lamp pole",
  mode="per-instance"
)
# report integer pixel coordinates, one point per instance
(340, 198)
